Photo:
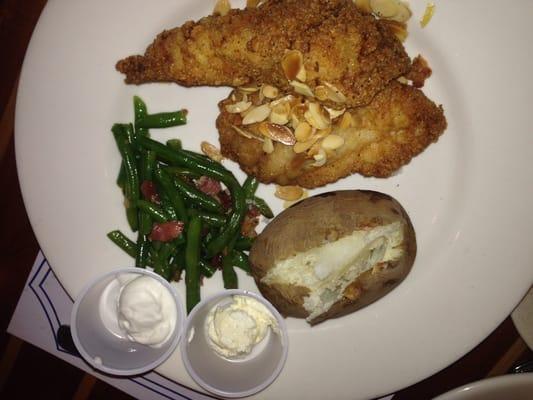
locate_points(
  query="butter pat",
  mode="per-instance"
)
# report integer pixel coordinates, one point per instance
(234, 329)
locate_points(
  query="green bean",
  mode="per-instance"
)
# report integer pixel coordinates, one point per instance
(229, 276)
(167, 207)
(240, 260)
(163, 120)
(244, 243)
(155, 211)
(192, 256)
(174, 196)
(143, 249)
(181, 158)
(210, 219)
(139, 111)
(123, 242)
(132, 178)
(161, 263)
(183, 172)
(232, 229)
(121, 177)
(174, 144)
(250, 186)
(195, 196)
(206, 269)
(147, 162)
(261, 205)
(178, 263)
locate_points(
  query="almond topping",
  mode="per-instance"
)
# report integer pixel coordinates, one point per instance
(321, 92)
(238, 107)
(428, 14)
(333, 113)
(297, 114)
(268, 146)
(301, 147)
(292, 64)
(269, 91)
(332, 142)
(346, 121)
(289, 193)
(248, 89)
(256, 114)
(317, 116)
(334, 94)
(278, 133)
(384, 8)
(222, 7)
(280, 113)
(302, 88)
(303, 131)
(403, 14)
(246, 134)
(363, 5)
(211, 151)
(320, 158)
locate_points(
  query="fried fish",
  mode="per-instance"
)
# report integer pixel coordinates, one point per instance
(377, 140)
(340, 46)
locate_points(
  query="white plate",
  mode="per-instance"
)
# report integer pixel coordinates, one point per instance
(469, 195)
(515, 387)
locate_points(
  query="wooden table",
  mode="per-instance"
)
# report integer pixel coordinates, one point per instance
(51, 377)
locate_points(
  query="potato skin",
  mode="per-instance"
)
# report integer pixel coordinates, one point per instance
(325, 218)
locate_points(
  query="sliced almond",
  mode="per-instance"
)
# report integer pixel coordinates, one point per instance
(301, 147)
(384, 8)
(248, 89)
(289, 193)
(292, 64)
(269, 91)
(303, 131)
(322, 133)
(334, 94)
(332, 142)
(222, 7)
(238, 107)
(268, 146)
(280, 113)
(320, 158)
(334, 113)
(346, 121)
(317, 116)
(321, 92)
(363, 5)
(428, 14)
(278, 133)
(289, 203)
(289, 99)
(246, 133)
(298, 114)
(211, 151)
(403, 13)
(302, 88)
(256, 114)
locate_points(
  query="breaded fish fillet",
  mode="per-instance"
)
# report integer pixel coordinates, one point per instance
(396, 126)
(353, 51)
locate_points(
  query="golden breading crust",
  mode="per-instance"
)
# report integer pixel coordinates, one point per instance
(398, 125)
(340, 45)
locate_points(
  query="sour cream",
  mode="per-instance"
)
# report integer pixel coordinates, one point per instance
(146, 311)
(234, 329)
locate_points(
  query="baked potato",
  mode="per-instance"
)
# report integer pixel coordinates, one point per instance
(331, 254)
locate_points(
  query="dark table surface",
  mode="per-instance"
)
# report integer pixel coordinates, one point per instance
(51, 377)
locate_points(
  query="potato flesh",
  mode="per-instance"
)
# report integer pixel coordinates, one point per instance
(327, 270)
